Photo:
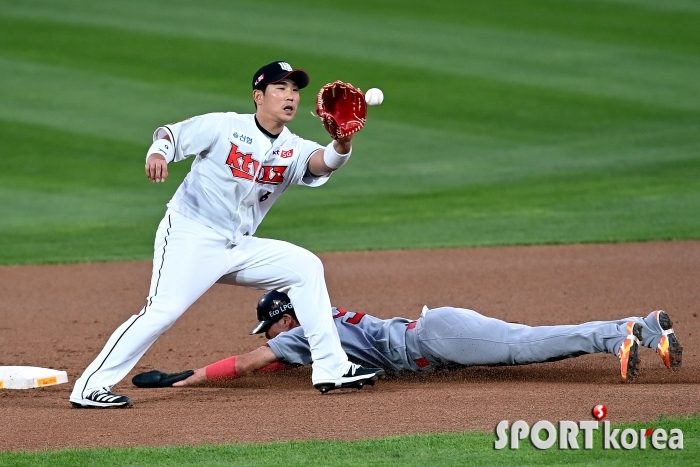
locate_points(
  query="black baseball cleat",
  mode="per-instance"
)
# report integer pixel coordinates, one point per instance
(158, 379)
(101, 398)
(356, 377)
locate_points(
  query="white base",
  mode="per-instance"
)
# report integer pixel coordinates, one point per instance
(26, 377)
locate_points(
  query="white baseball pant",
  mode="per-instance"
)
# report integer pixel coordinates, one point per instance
(188, 259)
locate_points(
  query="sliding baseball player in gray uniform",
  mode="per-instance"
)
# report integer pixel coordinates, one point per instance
(440, 337)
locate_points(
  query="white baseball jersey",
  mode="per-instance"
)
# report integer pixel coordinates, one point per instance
(239, 170)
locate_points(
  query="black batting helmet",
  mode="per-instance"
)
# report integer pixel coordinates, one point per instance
(271, 307)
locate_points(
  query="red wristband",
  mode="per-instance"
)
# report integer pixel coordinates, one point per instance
(223, 369)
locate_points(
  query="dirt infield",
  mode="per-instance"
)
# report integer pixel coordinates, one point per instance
(60, 317)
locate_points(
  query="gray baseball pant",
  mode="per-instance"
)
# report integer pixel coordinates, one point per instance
(466, 337)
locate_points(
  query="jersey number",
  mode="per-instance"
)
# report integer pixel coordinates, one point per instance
(355, 319)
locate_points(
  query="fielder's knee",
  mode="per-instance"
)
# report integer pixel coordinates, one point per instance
(308, 265)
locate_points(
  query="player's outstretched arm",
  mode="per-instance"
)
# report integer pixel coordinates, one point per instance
(334, 156)
(232, 367)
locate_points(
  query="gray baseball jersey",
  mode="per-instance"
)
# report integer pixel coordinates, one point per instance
(372, 341)
(450, 335)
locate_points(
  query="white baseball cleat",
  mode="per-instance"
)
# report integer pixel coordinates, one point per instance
(355, 377)
(101, 398)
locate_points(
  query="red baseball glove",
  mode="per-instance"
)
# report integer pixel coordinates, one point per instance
(342, 109)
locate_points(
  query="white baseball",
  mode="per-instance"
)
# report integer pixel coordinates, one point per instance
(374, 96)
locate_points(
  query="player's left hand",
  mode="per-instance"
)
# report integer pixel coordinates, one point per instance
(159, 379)
(199, 376)
(342, 109)
(156, 168)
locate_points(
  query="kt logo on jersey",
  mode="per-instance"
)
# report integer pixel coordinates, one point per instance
(243, 166)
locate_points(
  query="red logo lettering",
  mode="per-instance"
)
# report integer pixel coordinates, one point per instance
(242, 165)
(340, 313)
(354, 319)
(272, 174)
(285, 154)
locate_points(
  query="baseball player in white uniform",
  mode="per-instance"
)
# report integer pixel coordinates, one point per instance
(441, 337)
(242, 164)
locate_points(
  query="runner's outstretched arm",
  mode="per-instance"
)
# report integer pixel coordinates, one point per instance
(234, 367)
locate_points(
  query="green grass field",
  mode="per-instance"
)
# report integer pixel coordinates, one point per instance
(504, 122)
(456, 449)
(508, 122)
